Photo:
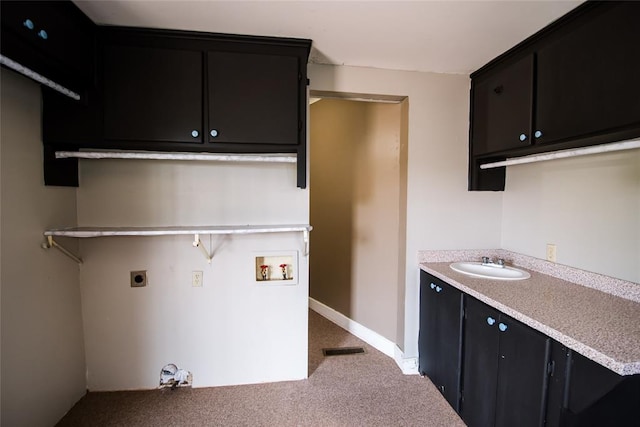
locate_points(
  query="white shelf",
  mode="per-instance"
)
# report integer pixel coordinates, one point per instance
(563, 154)
(83, 232)
(154, 155)
(196, 231)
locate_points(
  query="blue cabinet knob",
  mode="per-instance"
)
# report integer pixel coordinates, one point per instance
(523, 137)
(438, 289)
(538, 134)
(43, 34)
(213, 133)
(195, 133)
(491, 321)
(28, 23)
(432, 286)
(502, 326)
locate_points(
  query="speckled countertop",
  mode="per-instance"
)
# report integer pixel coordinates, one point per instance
(596, 316)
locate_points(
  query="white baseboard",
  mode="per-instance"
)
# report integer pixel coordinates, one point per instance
(374, 339)
(409, 366)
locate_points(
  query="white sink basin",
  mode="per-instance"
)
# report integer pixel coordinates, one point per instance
(478, 269)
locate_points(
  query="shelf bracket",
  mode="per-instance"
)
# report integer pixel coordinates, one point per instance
(305, 239)
(50, 243)
(197, 243)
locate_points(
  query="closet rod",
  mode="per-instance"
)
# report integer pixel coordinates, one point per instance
(563, 154)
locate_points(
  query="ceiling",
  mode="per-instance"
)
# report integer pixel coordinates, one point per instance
(441, 36)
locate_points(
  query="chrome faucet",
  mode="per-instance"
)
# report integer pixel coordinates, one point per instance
(499, 263)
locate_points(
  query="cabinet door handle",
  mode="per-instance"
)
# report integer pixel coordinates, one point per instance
(432, 285)
(498, 89)
(491, 321)
(438, 289)
(523, 137)
(195, 133)
(43, 34)
(502, 327)
(537, 134)
(213, 133)
(28, 23)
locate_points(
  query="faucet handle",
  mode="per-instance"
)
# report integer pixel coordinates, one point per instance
(500, 262)
(485, 260)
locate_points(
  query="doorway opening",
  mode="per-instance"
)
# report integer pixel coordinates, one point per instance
(358, 182)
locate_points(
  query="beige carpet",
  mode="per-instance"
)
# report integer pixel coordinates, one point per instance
(355, 390)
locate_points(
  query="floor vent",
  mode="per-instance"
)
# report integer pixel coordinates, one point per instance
(341, 351)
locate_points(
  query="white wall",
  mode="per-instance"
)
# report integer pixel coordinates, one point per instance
(43, 363)
(588, 206)
(441, 213)
(233, 330)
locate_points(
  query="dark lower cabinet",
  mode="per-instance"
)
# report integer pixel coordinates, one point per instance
(596, 396)
(496, 371)
(504, 371)
(440, 336)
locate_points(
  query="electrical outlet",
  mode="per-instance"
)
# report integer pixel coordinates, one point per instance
(196, 279)
(551, 252)
(139, 279)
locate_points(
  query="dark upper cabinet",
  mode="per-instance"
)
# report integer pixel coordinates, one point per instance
(167, 90)
(260, 89)
(587, 79)
(439, 342)
(52, 38)
(164, 90)
(152, 94)
(504, 371)
(573, 84)
(502, 104)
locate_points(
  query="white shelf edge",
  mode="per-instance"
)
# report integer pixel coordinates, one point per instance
(87, 232)
(563, 154)
(16, 66)
(154, 155)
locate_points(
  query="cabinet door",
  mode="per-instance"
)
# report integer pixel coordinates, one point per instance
(522, 374)
(588, 79)
(152, 94)
(53, 38)
(505, 370)
(428, 335)
(440, 335)
(599, 396)
(480, 366)
(502, 108)
(253, 98)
